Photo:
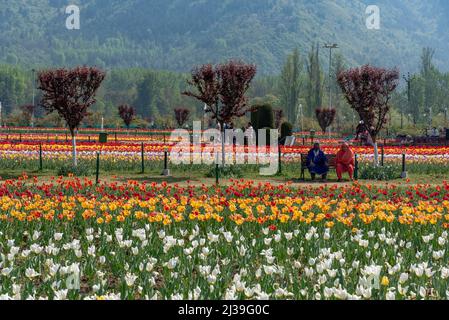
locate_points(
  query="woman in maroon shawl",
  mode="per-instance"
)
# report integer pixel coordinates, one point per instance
(345, 162)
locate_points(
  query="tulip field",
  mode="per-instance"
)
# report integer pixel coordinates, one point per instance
(72, 239)
(122, 153)
(252, 238)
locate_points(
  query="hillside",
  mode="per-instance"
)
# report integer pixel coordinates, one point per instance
(177, 34)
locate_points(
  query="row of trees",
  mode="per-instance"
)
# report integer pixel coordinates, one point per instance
(421, 99)
(222, 88)
(152, 93)
(71, 92)
(424, 96)
(301, 82)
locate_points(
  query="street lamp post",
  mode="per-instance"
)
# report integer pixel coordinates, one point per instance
(34, 88)
(408, 80)
(330, 47)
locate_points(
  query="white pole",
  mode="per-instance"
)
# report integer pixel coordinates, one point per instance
(34, 85)
(74, 159)
(102, 123)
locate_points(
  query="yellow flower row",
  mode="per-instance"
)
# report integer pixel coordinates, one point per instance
(242, 210)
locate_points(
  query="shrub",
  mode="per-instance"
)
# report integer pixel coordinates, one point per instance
(82, 170)
(265, 117)
(385, 173)
(226, 172)
(254, 116)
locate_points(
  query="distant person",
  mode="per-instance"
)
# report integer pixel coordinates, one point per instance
(435, 133)
(345, 162)
(317, 162)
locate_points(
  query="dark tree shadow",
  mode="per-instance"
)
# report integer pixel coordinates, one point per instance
(14, 175)
(160, 179)
(317, 181)
(9, 176)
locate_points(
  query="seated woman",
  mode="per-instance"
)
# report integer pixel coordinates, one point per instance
(345, 162)
(317, 162)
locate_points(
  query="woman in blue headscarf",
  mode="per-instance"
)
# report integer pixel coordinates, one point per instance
(317, 162)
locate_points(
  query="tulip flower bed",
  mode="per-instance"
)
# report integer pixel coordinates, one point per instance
(126, 157)
(70, 239)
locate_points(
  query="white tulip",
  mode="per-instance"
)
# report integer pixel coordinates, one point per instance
(61, 294)
(422, 292)
(36, 235)
(31, 273)
(403, 278)
(444, 273)
(390, 295)
(130, 279)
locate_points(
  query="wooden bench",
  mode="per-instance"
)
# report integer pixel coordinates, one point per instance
(331, 159)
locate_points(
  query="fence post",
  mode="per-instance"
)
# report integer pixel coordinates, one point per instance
(217, 182)
(97, 173)
(217, 176)
(166, 171)
(382, 156)
(40, 157)
(115, 137)
(143, 158)
(356, 168)
(404, 168)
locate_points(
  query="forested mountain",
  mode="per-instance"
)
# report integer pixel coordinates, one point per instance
(178, 34)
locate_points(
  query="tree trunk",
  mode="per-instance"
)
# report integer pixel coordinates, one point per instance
(376, 154)
(75, 162)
